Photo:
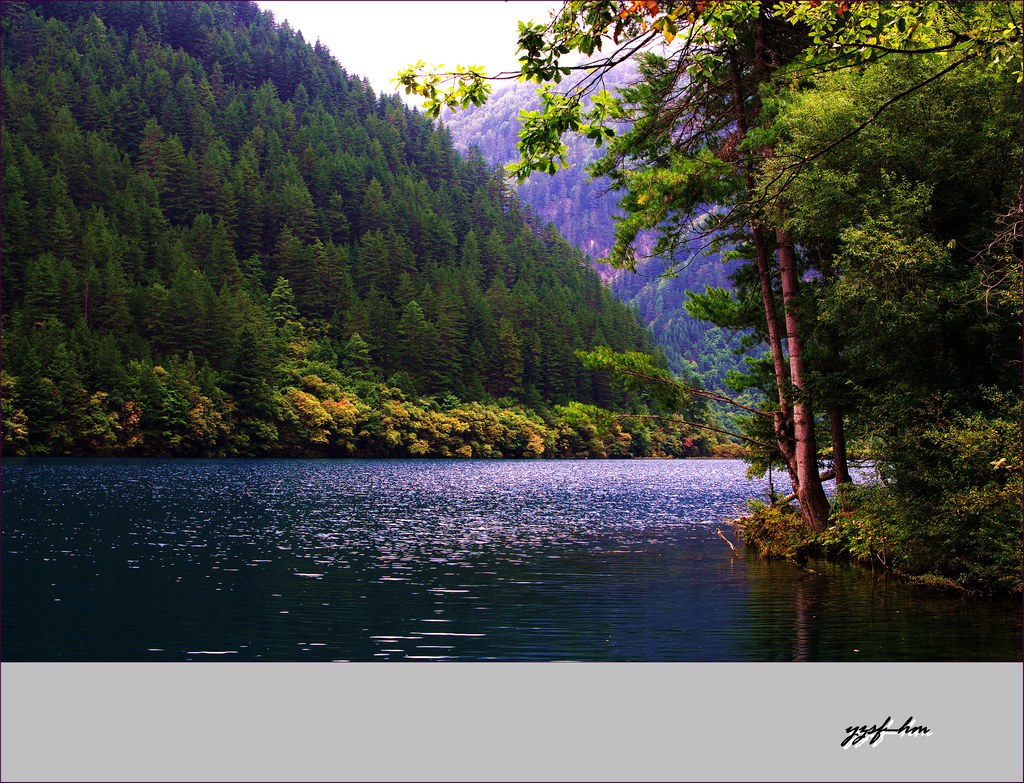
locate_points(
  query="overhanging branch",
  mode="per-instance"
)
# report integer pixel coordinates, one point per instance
(692, 390)
(677, 420)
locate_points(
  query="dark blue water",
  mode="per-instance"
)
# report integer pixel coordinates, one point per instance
(319, 560)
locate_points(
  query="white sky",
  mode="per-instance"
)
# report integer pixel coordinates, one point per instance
(376, 39)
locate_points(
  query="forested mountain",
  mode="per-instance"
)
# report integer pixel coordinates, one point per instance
(217, 241)
(584, 210)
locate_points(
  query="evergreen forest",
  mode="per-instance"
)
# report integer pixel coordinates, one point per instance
(216, 241)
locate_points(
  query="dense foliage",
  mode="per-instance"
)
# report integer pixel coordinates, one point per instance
(216, 241)
(913, 233)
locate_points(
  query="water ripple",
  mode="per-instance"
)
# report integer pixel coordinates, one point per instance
(383, 560)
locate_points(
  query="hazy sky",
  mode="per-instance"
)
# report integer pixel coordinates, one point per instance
(378, 38)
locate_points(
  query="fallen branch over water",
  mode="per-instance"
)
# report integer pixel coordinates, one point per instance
(721, 535)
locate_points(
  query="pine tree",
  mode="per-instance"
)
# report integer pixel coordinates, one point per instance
(150, 148)
(282, 304)
(15, 238)
(177, 193)
(416, 341)
(356, 358)
(112, 312)
(374, 212)
(222, 267)
(506, 374)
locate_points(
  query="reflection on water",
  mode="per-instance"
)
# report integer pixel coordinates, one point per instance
(433, 560)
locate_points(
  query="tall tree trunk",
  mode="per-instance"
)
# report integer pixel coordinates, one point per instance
(784, 416)
(841, 467)
(783, 419)
(794, 422)
(814, 505)
(803, 464)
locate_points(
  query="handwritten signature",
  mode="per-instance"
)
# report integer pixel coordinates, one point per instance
(855, 735)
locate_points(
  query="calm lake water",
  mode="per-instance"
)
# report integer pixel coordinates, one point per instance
(374, 560)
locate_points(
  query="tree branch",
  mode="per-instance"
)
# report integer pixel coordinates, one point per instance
(677, 420)
(692, 390)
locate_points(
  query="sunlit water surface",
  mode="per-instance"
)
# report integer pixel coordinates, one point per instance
(318, 560)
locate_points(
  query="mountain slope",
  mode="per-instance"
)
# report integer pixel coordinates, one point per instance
(217, 241)
(584, 212)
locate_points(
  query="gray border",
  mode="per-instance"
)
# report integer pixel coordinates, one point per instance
(505, 722)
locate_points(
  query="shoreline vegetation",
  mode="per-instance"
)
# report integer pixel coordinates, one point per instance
(319, 418)
(862, 535)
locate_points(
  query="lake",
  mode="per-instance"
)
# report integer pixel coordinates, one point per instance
(378, 560)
